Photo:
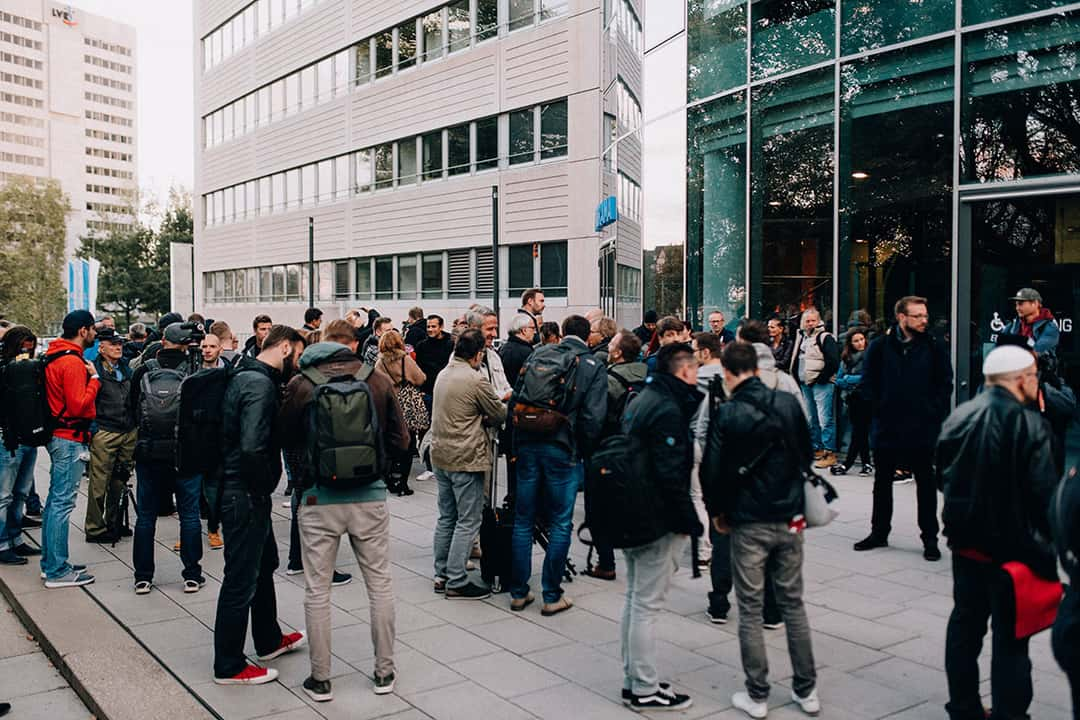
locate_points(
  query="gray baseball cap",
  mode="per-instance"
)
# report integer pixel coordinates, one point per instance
(1027, 294)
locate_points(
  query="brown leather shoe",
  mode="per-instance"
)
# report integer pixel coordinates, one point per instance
(596, 572)
(826, 460)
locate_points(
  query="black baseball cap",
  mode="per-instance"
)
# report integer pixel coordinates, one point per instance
(177, 333)
(168, 319)
(76, 320)
(107, 334)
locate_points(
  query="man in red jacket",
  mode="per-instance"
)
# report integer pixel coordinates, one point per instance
(71, 385)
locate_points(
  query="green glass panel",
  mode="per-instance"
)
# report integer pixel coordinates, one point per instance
(987, 10)
(716, 207)
(790, 34)
(895, 172)
(1020, 115)
(716, 46)
(872, 24)
(791, 195)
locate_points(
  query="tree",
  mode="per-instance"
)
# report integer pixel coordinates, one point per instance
(32, 231)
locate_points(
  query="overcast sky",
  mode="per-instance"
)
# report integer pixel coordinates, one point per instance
(165, 88)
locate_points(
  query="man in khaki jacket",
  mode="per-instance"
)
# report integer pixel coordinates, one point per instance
(463, 409)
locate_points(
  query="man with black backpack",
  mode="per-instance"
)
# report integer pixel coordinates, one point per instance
(251, 467)
(155, 405)
(559, 406)
(341, 414)
(1065, 524)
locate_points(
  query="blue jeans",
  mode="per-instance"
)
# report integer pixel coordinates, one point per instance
(153, 476)
(819, 401)
(16, 479)
(68, 463)
(557, 474)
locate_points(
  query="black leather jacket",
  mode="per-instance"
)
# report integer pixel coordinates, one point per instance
(252, 446)
(741, 435)
(659, 419)
(996, 468)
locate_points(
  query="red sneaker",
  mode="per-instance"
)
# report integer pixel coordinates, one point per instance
(251, 675)
(290, 642)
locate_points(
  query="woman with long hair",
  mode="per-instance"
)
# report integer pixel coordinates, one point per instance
(407, 378)
(849, 381)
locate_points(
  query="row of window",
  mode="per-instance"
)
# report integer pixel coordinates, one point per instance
(21, 139)
(110, 172)
(629, 195)
(462, 149)
(16, 59)
(303, 89)
(107, 118)
(25, 120)
(107, 190)
(20, 41)
(619, 16)
(21, 100)
(628, 108)
(107, 82)
(20, 159)
(107, 46)
(106, 226)
(20, 21)
(107, 64)
(110, 137)
(21, 80)
(108, 100)
(107, 208)
(257, 19)
(109, 154)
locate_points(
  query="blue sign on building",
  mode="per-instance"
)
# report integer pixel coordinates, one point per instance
(607, 212)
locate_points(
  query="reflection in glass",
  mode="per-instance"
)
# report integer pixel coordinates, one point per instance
(1021, 109)
(871, 24)
(521, 14)
(363, 279)
(384, 166)
(363, 62)
(716, 49)
(384, 278)
(433, 35)
(433, 165)
(520, 262)
(406, 45)
(716, 208)
(521, 136)
(407, 162)
(432, 276)
(896, 182)
(553, 132)
(363, 171)
(790, 34)
(487, 143)
(458, 25)
(986, 10)
(487, 19)
(384, 54)
(457, 141)
(406, 278)
(553, 272)
(791, 195)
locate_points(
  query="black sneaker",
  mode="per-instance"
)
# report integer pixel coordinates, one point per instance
(10, 557)
(716, 617)
(318, 690)
(104, 539)
(341, 578)
(931, 553)
(468, 591)
(871, 542)
(660, 700)
(30, 522)
(384, 685)
(867, 470)
(839, 469)
(26, 551)
(628, 695)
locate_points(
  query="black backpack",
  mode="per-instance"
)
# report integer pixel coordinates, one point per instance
(199, 424)
(544, 389)
(1063, 514)
(159, 411)
(344, 447)
(623, 507)
(27, 418)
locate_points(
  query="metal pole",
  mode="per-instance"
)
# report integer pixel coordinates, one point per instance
(311, 261)
(495, 248)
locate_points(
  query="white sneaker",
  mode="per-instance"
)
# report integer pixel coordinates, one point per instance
(750, 706)
(426, 475)
(809, 704)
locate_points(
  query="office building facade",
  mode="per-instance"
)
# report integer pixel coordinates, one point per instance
(401, 130)
(68, 109)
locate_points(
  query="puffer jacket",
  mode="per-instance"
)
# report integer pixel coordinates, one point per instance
(71, 393)
(463, 410)
(744, 435)
(250, 437)
(996, 467)
(849, 379)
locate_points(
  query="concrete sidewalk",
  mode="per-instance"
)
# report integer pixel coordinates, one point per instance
(878, 620)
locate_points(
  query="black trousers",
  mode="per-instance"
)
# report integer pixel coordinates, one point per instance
(247, 587)
(981, 592)
(720, 575)
(918, 461)
(1066, 642)
(859, 413)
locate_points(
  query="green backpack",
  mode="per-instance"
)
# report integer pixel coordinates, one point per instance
(344, 449)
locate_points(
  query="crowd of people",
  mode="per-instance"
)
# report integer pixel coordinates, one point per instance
(717, 432)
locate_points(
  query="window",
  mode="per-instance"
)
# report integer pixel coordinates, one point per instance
(266, 290)
(457, 141)
(325, 72)
(521, 136)
(607, 141)
(341, 177)
(292, 94)
(384, 54)
(277, 273)
(341, 280)
(433, 35)
(431, 276)
(384, 278)
(249, 192)
(291, 9)
(384, 166)
(433, 162)
(487, 143)
(308, 193)
(341, 73)
(264, 16)
(553, 132)
(458, 25)
(522, 273)
(277, 93)
(292, 189)
(240, 202)
(487, 19)
(407, 162)
(871, 24)
(307, 87)
(264, 106)
(363, 279)
(362, 182)
(326, 181)
(278, 182)
(292, 282)
(716, 47)
(211, 211)
(553, 273)
(363, 62)
(788, 36)
(227, 114)
(249, 113)
(406, 277)
(266, 205)
(406, 47)
(521, 14)
(552, 8)
(277, 11)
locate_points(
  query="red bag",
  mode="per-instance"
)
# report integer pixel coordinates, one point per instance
(1036, 598)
